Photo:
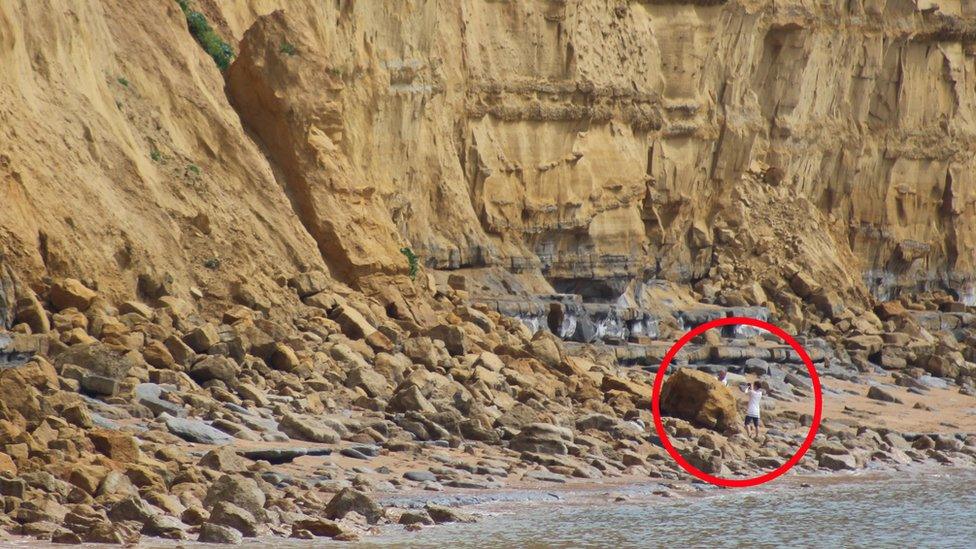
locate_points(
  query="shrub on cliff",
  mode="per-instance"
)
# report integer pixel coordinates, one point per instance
(208, 39)
(412, 261)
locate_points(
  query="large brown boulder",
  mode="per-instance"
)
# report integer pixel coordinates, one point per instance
(700, 398)
(71, 293)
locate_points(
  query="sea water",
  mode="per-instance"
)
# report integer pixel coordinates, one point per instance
(917, 510)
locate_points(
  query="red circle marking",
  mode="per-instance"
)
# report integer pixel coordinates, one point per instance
(659, 382)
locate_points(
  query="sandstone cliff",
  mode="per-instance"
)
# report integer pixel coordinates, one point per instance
(594, 141)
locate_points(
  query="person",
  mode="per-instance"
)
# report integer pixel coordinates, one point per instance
(723, 376)
(752, 410)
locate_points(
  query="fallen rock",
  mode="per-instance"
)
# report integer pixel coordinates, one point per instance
(216, 533)
(241, 491)
(415, 517)
(319, 527)
(837, 462)
(352, 322)
(877, 393)
(410, 399)
(131, 508)
(72, 293)
(202, 338)
(543, 438)
(120, 447)
(420, 476)
(226, 513)
(441, 514)
(284, 358)
(349, 500)
(308, 429)
(701, 398)
(214, 367)
(194, 430)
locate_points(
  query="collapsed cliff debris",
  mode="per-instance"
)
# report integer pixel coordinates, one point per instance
(155, 419)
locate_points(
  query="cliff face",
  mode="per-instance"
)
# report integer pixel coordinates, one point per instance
(120, 155)
(612, 140)
(718, 143)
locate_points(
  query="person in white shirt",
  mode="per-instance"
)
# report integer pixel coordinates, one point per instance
(723, 377)
(752, 410)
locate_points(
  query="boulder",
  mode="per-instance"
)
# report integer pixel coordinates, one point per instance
(890, 309)
(100, 359)
(352, 322)
(804, 285)
(599, 422)
(700, 398)
(131, 508)
(897, 441)
(543, 438)
(348, 500)
(96, 385)
(420, 476)
(226, 513)
(878, 393)
(117, 446)
(310, 283)
(837, 462)
(454, 338)
(22, 402)
(415, 517)
(284, 358)
(241, 491)
(214, 367)
(441, 514)
(71, 293)
(318, 527)
(489, 361)
(30, 311)
(194, 430)
(829, 304)
(410, 399)
(307, 428)
(370, 381)
(225, 460)
(138, 308)
(202, 338)
(150, 396)
(164, 526)
(216, 533)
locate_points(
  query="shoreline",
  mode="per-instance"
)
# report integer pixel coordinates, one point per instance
(503, 502)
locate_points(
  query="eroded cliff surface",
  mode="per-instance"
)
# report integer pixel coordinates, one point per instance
(715, 143)
(603, 141)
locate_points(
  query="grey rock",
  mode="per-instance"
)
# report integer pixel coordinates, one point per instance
(277, 456)
(798, 381)
(193, 430)
(149, 395)
(546, 476)
(420, 476)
